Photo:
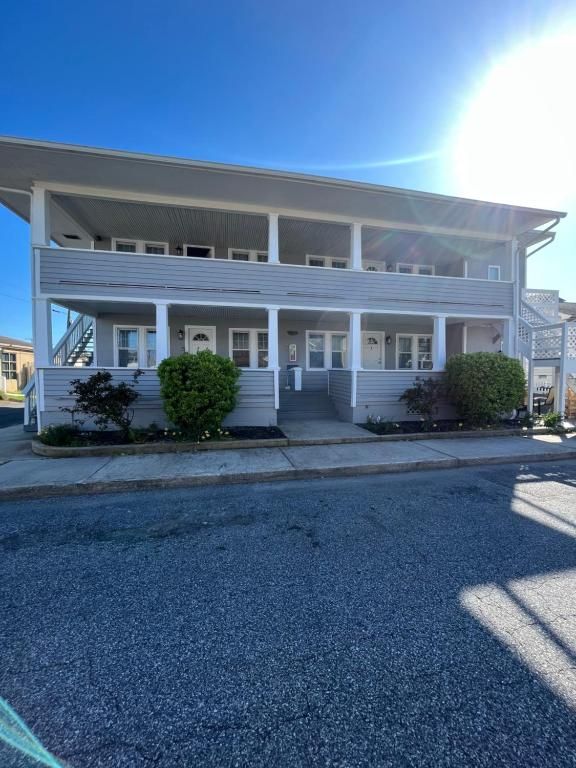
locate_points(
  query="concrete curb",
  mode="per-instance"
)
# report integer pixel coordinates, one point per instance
(141, 449)
(117, 486)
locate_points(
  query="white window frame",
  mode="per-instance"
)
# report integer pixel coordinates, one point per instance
(414, 351)
(499, 270)
(252, 346)
(328, 350)
(252, 254)
(373, 266)
(140, 245)
(414, 269)
(328, 261)
(142, 350)
(198, 245)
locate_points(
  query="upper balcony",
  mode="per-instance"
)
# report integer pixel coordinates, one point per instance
(194, 255)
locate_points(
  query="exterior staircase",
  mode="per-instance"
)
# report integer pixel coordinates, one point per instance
(75, 348)
(305, 406)
(547, 341)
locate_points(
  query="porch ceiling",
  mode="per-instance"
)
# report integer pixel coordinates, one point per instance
(223, 229)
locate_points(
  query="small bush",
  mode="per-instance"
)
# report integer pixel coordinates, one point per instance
(423, 398)
(484, 385)
(60, 435)
(106, 403)
(553, 421)
(199, 391)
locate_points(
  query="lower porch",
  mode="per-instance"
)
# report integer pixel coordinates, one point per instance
(297, 365)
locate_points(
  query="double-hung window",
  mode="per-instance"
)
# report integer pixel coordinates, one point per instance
(326, 261)
(8, 367)
(135, 347)
(494, 272)
(122, 245)
(414, 352)
(415, 269)
(327, 349)
(249, 347)
(241, 254)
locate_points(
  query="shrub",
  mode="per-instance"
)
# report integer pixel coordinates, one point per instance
(106, 403)
(484, 385)
(423, 397)
(553, 421)
(60, 435)
(199, 391)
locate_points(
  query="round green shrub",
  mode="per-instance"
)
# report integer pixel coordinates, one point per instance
(484, 385)
(198, 391)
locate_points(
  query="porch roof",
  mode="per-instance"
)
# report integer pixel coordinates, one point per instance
(25, 161)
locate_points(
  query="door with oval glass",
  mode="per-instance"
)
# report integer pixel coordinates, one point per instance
(373, 349)
(199, 337)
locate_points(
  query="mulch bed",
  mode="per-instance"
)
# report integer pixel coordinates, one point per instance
(115, 438)
(441, 425)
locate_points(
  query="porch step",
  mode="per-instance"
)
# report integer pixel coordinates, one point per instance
(305, 406)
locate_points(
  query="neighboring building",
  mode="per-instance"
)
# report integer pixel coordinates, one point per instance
(16, 364)
(330, 295)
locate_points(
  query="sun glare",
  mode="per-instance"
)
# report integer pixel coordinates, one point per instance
(516, 143)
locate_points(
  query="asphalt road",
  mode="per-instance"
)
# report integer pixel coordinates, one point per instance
(11, 413)
(412, 620)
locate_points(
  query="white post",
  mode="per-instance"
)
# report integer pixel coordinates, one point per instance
(530, 403)
(162, 332)
(355, 340)
(356, 246)
(273, 351)
(40, 217)
(273, 239)
(42, 333)
(439, 344)
(464, 338)
(514, 258)
(508, 328)
(560, 393)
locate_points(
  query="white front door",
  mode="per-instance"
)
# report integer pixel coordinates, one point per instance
(199, 337)
(372, 349)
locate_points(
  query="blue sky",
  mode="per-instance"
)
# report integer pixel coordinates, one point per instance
(338, 88)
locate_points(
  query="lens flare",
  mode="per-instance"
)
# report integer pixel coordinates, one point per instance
(516, 142)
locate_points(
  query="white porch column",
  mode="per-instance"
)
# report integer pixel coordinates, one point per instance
(356, 246)
(560, 397)
(530, 374)
(162, 332)
(273, 239)
(355, 353)
(42, 333)
(508, 328)
(40, 217)
(273, 351)
(439, 344)
(355, 340)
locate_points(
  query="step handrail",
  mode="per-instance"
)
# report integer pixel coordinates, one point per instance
(70, 340)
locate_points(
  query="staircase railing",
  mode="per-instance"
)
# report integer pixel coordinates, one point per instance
(74, 338)
(30, 404)
(543, 301)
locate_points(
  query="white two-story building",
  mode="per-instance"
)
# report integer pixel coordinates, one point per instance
(332, 296)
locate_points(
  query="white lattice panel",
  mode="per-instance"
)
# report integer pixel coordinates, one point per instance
(545, 302)
(571, 341)
(547, 343)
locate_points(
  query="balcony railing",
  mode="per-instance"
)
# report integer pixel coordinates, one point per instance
(109, 275)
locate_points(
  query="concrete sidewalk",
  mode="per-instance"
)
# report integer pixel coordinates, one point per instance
(29, 477)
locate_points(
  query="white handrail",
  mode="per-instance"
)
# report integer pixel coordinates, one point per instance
(70, 340)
